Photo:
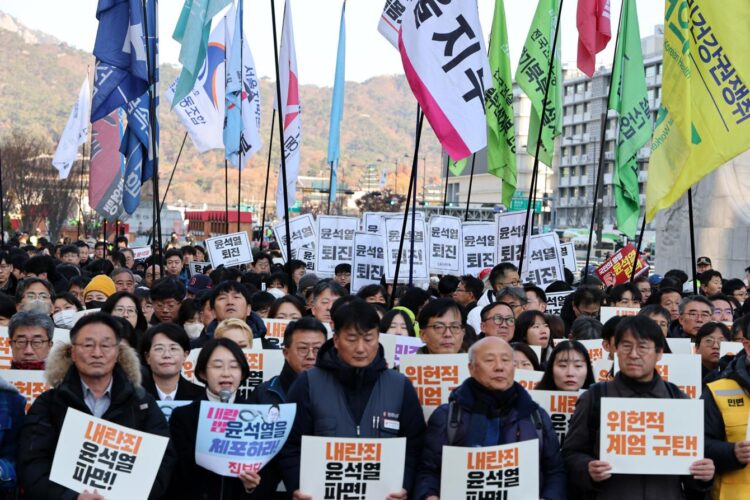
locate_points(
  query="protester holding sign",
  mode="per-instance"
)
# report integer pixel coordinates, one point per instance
(164, 348)
(490, 409)
(98, 376)
(222, 367)
(639, 345)
(351, 393)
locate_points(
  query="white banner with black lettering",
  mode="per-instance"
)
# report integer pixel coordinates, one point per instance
(229, 250)
(303, 239)
(369, 260)
(335, 240)
(393, 227)
(444, 248)
(543, 263)
(509, 236)
(478, 247)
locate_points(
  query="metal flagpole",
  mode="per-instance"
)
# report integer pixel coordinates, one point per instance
(692, 241)
(281, 135)
(539, 139)
(268, 174)
(2, 207)
(447, 172)
(242, 86)
(471, 183)
(638, 249)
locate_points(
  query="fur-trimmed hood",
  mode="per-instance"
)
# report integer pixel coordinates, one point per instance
(59, 362)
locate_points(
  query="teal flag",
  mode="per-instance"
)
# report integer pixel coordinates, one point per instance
(337, 106)
(192, 30)
(531, 76)
(629, 98)
(501, 140)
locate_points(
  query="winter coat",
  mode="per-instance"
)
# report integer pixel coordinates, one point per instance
(191, 481)
(581, 446)
(356, 385)
(12, 413)
(482, 423)
(186, 390)
(131, 406)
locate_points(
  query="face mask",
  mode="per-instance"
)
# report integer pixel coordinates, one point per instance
(65, 318)
(193, 329)
(94, 304)
(37, 306)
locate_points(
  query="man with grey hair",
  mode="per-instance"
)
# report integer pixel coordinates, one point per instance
(30, 339)
(514, 297)
(490, 409)
(695, 311)
(124, 280)
(35, 294)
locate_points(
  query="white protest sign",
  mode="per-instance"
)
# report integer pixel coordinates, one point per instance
(478, 247)
(275, 330)
(602, 368)
(141, 253)
(543, 263)
(509, 230)
(528, 378)
(167, 407)
(435, 376)
(392, 240)
(369, 260)
(303, 237)
(444, 245)
(555, 301)
(30, 383)
(264, 364)
(229, 250)
(680, 346)
(335, 241)
(607, 313)
(560, 406)
(731, 348)
(335, 467)
(568, 253)
(91, 453)
(6, 354)
(595, 349)
(651, 436)
(61, 336)
(233, 438)
(491, 472)
(374, 222)
(188, 366)
(682, 370)
(395, 346)
(198, 267)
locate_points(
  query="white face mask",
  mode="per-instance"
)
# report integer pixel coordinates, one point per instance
(193, 329)
(65, 318)
(37, 306)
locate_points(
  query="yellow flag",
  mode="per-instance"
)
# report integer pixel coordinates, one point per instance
(704, 120)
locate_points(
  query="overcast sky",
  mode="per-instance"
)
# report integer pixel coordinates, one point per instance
(316, 25)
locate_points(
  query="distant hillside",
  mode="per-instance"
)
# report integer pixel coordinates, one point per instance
(41, 77)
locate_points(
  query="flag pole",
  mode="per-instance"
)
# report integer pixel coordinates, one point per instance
(330, 187)
(268, 175)
(2, 207)
(80, 195)
(104, 237)
(692, 241)
(242, 86)
(281, 134)
(535, 170)
(447, 172)
(414, 169)
(412, 178)
(600, 164)
(171, 176)
(638, 249)
(471, 183)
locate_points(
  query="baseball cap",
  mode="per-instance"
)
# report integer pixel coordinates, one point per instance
(703, 261)
(198, 283)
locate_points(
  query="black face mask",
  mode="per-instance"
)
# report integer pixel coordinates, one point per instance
(94, 304)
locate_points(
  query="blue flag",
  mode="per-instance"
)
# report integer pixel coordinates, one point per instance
(337, 106)
(233, 102)
(120, 51)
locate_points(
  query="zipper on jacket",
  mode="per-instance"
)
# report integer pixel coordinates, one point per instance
(357, 431)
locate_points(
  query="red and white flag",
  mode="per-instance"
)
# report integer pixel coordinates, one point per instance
(290, 111)
(594, 32)
(445, 61)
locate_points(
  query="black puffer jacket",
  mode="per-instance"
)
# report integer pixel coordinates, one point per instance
(131, 406)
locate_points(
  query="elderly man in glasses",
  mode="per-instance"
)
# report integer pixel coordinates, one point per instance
(97, 375)
(30, 339)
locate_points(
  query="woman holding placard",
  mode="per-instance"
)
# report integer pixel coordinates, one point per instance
(222, 367)
(568, 368)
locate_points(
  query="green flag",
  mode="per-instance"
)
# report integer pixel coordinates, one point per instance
(457, 167)
(531, 76)
(629, 98)
(501, 139)
(192, 31)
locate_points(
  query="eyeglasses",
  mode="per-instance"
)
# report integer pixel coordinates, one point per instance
(303, 350)
(709, 342)
(166, 306)
(125, 311)
(35, 296)
(728, 312)
(35, 343)
(90, 347)
(161, 350)
(505, 284)
(440, 328)
(641, 349)
(499, 320)
(698, 314)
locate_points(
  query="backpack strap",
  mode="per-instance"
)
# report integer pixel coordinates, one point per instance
(537, 419)
(597, 391)
(454, 417)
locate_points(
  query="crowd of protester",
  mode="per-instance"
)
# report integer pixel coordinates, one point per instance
(132, 324)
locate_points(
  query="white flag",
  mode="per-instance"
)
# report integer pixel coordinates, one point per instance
(76, 132)
(290, 110)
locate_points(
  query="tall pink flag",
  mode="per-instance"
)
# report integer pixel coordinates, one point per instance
(594, 32)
